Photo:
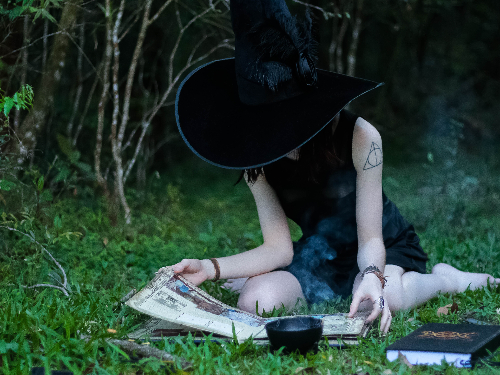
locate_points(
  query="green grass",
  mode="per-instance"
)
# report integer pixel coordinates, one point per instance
(195, 211)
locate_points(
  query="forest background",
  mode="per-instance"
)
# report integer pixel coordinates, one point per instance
(98, 190)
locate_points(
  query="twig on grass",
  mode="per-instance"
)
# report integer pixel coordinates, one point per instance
(149, 351)
(64, 284)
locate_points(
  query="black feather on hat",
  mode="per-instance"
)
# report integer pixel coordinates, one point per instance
(270, 99)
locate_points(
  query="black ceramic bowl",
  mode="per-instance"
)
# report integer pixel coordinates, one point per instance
(297, 333)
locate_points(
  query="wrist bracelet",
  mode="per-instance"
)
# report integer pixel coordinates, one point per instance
(374, 269)
(217, 269)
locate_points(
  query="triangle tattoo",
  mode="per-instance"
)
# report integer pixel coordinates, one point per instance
(374, 157)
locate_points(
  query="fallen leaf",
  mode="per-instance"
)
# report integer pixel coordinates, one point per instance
(75, 192)
(404, 360)
(410, 320)
(298, 369)
(368, 362)
(105, 241)
(442, 311)
(454, 307)
(498, 310)
(146, 343)
(448, 305)
(387, 372)
(111, 330)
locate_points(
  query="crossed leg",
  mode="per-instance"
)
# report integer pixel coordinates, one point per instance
(404, 290)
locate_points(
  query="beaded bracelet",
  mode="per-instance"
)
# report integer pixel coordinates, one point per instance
(374, 269)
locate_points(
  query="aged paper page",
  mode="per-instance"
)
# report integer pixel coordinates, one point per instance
(171, 297)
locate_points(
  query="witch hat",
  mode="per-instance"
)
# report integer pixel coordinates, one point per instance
(253, 109)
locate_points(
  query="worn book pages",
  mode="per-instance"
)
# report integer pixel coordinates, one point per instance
(157, 329)
(171, 297)
(179, 307)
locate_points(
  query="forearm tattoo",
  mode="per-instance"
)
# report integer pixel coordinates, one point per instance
(374, 158)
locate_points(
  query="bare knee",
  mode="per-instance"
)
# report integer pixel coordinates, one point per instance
(257, 296)
(256, 301)
(268, 291)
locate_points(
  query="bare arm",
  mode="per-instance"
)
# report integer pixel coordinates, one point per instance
(275, 252)
(367, 158)
(277, 249)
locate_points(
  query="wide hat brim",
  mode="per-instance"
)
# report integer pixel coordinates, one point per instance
(227, 133)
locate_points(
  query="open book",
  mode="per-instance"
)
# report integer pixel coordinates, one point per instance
(178, 307)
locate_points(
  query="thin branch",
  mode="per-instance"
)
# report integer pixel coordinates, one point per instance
(176, 46)
(208, 19)
(104, 97)
(130, 137)
(195, 48)
(325, 13)
(149, 351)
(32, 239)
(49, 286)
(79, 77)
(7, 35)
(32, 43)
(131, 72)
(223, 44)
(178, 16)
(136, 15)
(160, 11)
(131, 162)
(167, 139)
(87, 106)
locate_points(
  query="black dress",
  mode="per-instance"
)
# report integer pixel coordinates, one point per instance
(325, 258)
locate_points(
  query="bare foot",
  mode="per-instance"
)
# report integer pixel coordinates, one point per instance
(235, 285)
(459, 281)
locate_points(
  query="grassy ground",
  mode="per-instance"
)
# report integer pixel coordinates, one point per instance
(195, 211)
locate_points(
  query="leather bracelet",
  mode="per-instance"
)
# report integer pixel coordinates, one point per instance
(374, 269)
(217, 269)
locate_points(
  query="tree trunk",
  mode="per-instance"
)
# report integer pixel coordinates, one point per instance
(356, 29)
(44, 94)
(340, 42)
(79, 78)
(332, 49)
(24, 67)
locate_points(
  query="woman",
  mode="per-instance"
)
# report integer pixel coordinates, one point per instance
(270, 113)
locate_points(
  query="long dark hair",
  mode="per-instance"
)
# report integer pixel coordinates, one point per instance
(315, 157)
